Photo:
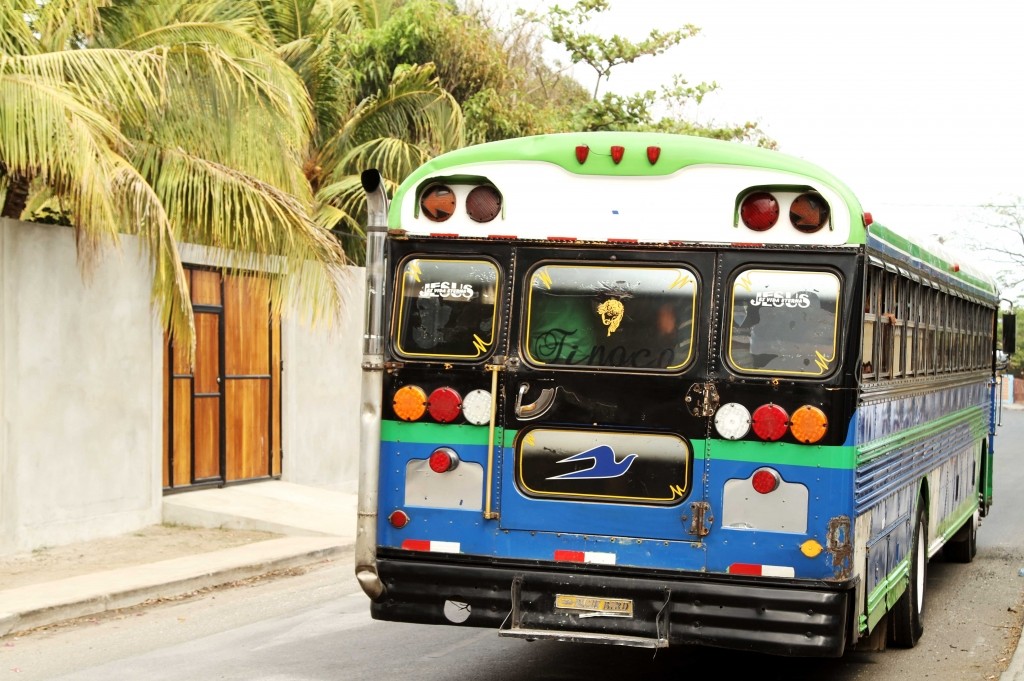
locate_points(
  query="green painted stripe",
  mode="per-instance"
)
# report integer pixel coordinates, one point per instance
(882, 446)
(784, 454)
(432, 433)
(967, 274)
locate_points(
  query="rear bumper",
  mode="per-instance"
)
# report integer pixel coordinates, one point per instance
(782, 617)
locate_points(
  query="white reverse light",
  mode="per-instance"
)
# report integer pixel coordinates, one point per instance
(476, 407)
(732, 421)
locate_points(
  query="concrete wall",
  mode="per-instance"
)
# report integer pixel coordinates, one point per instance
(81, 403)
(320, 395)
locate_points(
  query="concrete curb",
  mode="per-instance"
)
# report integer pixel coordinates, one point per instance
(48, 603)
(1015, 672)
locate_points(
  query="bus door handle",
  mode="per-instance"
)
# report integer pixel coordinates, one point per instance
(539, 407)
(702, 399)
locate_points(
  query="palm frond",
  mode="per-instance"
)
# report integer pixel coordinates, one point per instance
(16, 37)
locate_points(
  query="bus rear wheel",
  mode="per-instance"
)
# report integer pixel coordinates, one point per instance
(963, 547)
(906, 619)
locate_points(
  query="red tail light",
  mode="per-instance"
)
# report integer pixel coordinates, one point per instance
(765, 481)
(759, 211)
(770, 422)
(398, 519)
(444, 405)
(443, 459)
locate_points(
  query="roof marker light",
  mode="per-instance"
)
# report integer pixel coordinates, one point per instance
(617, 153)
(653, 153)
(582, 152)
(483, 203)
(868, 220)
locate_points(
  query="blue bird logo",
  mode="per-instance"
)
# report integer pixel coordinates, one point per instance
(604, 466)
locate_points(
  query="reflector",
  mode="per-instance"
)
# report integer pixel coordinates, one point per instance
(759, 211)
(398, 519)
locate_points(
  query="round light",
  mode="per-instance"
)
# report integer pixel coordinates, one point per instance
(410, 403)
(770, 422)
(438, 203)
(443, 459)
(398, 519)
(732, 421)
(759, 211)
(476, 407)
(765, 481)
(444, 405)
(483, 204)
(809, 213)
(808, 424)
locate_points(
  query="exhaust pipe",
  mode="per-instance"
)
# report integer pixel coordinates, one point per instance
(372, 386)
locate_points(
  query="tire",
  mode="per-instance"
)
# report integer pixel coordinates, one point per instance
(963, 547)
(906, 619)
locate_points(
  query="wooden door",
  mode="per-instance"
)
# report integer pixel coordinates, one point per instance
(223, 415)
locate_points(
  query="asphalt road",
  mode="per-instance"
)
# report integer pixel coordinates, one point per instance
(315, 625)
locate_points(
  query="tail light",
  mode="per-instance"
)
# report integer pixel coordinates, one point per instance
(476, 407)
(808, 424)
(759, 211)
(398, 519)
(770, 422)
(483, 204)
(809, 213)
(438, 202)
(443, 459)
(765, 480)
(444, 405)
(410, 403)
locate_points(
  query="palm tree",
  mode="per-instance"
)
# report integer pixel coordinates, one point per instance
(370, 113)
(175, 121)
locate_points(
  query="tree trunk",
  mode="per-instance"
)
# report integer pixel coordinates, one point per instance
(16, 198)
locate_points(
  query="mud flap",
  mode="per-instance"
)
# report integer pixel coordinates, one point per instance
(586, 618)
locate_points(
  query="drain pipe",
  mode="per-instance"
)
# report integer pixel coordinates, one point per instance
(372, 386)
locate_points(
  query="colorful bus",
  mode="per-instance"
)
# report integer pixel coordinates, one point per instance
(650, 390)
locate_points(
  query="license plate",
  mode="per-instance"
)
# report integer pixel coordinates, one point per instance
(616, 607)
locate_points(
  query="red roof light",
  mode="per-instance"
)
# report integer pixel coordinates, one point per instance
(759, 211)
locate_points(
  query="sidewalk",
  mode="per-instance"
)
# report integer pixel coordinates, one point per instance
(264, 527)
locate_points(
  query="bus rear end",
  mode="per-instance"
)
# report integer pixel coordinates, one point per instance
(610, 402)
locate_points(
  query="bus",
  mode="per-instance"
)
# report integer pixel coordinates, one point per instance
(648, 390)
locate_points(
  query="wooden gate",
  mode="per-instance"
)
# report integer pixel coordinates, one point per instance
(222, 417)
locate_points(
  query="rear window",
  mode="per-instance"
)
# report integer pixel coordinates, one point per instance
(446, 308)
(784, 322)
(615, 317)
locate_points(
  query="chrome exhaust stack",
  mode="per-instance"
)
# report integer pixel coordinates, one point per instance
(372, 386)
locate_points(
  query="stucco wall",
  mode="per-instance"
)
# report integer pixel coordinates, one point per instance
(81, 401)
(320, 394)
(81, 398)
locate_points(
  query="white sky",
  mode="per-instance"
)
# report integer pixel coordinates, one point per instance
(916, 105)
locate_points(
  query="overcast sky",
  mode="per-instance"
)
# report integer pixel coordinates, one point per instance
(916, 105)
